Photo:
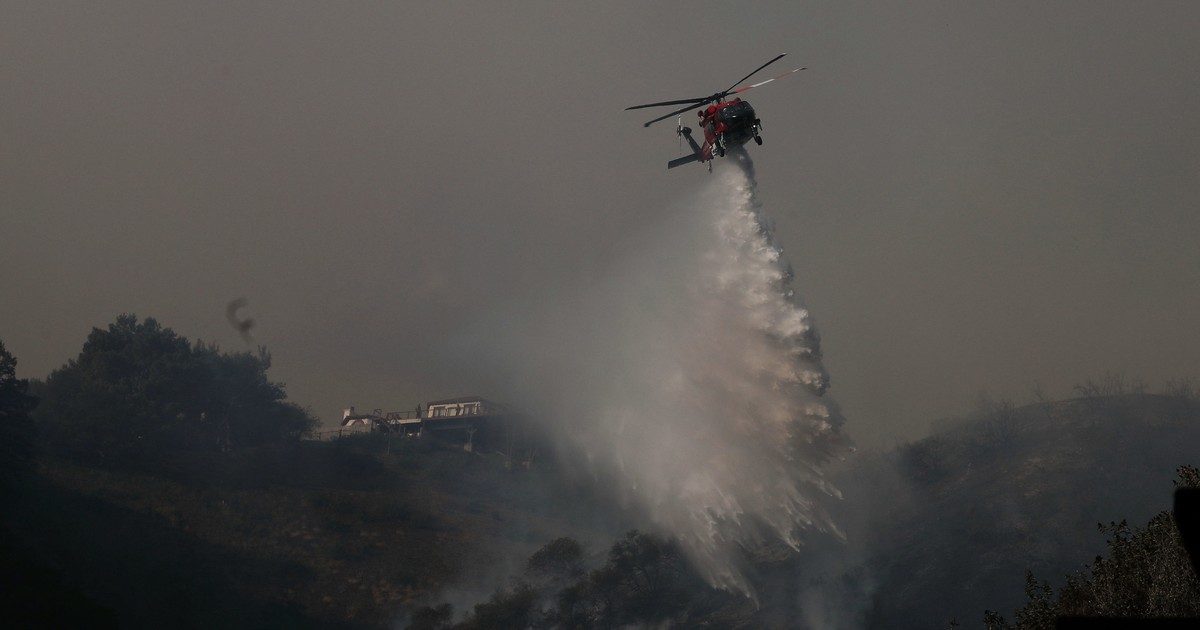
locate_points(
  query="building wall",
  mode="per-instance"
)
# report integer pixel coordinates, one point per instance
(452, 410)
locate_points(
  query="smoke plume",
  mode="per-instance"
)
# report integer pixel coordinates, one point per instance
(688, 379)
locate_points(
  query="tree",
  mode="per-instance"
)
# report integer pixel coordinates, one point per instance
(15, 405)
(928, 460)
(514, 608)
(137, 387)
(248, 407)
(1147, 573)
(432, 617)
(998, 418)
(558, 561)
(645, 581)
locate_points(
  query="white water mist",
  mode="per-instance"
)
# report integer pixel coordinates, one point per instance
(690, 378)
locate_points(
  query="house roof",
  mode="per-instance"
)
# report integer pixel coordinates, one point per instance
(350, 419)
(460, 399)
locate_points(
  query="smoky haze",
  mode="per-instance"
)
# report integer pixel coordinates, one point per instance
(976, 196)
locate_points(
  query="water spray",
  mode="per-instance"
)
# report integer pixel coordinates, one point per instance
(689, 379)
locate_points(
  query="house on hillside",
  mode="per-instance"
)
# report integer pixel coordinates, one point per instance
(460, 407)
(480, 424)
(406, 423)
(466, 414)
(353, 422)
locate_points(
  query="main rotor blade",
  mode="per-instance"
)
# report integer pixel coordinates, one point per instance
(751, 87)
(679, 102)
(735, 83)
(674, 113)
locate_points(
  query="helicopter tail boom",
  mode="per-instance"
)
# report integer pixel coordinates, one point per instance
(687, 159)
(686, 132)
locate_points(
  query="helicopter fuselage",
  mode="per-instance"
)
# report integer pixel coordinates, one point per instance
(727, 124)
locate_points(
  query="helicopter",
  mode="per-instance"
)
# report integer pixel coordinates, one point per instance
(726, 123)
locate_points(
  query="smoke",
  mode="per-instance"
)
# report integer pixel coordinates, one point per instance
(688, 379)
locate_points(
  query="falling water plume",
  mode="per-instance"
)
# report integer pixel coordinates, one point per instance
(690, 378)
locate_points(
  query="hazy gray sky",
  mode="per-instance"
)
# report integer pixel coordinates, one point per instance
(975, 196)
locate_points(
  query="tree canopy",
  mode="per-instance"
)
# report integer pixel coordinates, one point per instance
(1147, 574)
(138, 386)
(644, 581)
(15, 405)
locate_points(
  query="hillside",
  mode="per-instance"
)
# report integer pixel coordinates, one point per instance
(958, 517)
(358, 533)
(315, 533)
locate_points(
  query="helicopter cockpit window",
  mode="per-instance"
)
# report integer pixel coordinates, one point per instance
(736, 114)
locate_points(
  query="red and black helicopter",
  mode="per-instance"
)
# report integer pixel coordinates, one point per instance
(725, 123)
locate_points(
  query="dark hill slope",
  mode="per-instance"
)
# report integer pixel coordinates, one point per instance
(353, 533)
(958, 517)
(310, 534)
